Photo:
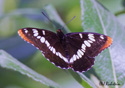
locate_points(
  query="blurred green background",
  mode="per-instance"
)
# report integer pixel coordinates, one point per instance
(16, 14)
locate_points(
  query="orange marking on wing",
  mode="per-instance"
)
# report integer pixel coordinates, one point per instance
(23, 36)
(107, 44)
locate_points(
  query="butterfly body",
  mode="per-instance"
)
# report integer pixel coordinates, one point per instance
(71, 50)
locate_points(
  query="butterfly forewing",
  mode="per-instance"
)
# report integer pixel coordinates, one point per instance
(89, 43)
(46, 41)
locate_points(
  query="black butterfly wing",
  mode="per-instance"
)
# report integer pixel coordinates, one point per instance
(77, 52)
(83, 47)
(48, 42)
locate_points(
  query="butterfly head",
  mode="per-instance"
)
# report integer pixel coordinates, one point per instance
(59, 30)
(60, 34)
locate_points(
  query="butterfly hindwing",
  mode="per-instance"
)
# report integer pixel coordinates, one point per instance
(83, 64)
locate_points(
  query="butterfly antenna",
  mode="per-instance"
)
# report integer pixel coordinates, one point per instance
(49, 19)
(55, 24)
(68, 22)
(46, 16)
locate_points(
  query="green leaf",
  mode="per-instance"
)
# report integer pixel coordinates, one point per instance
(28, 17)
(109, 65)
(82, 79)
(9, 62)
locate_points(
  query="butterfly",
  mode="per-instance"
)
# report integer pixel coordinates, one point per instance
(72, 50)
